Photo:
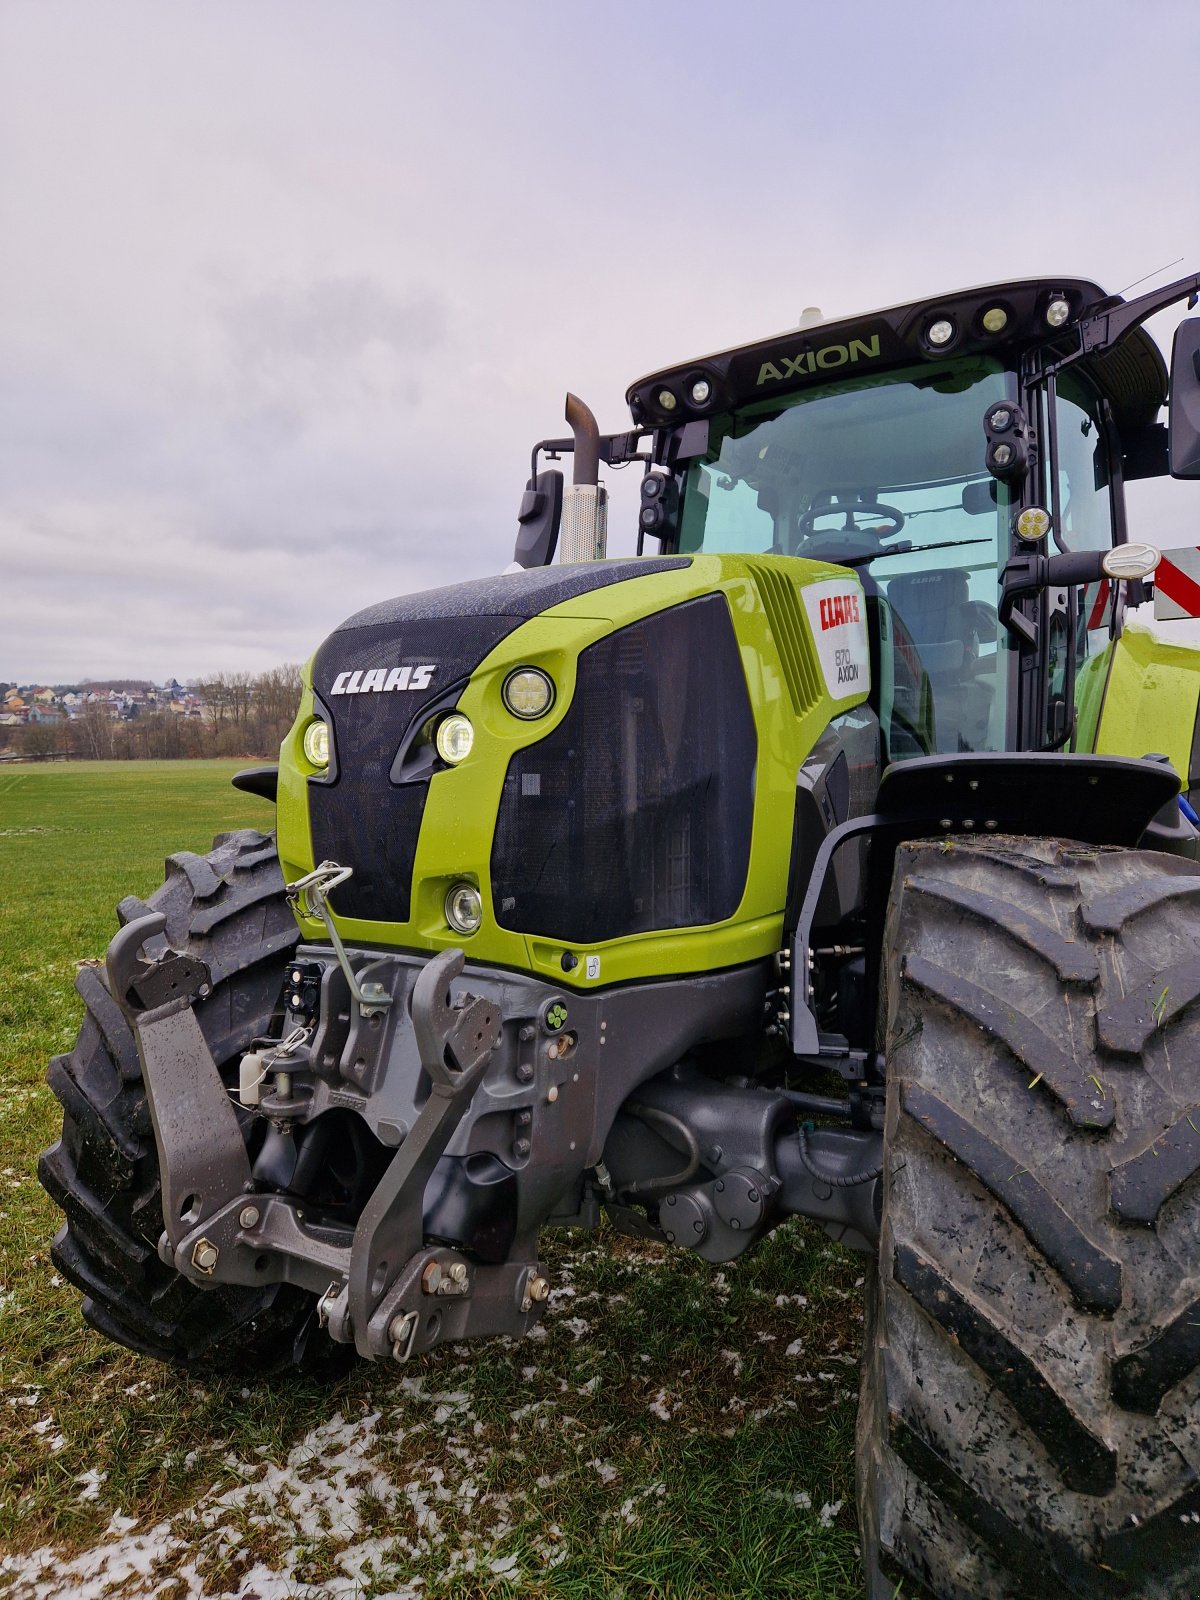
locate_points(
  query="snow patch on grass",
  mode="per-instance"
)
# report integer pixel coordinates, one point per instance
(659, 1408)
(332, 1490)
(91, 1481)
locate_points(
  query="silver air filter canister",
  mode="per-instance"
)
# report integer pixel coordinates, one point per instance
(585, 504)
(584, 523)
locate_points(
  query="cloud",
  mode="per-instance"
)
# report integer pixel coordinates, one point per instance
(332, 324)
(288, 292)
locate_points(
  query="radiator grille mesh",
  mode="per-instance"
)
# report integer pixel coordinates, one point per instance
(785, 615)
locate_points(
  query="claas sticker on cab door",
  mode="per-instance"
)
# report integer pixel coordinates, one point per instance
(837, 615)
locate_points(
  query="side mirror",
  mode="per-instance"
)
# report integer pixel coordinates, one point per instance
(538, 520)
(1184, 424)
(1030, 572)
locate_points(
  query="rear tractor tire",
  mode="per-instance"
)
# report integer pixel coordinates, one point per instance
(1030, 1415)
(229, 909)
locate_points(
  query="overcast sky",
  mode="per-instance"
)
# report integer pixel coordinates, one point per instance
(287, 290)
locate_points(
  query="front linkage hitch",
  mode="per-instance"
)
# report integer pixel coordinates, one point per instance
(385, 1291)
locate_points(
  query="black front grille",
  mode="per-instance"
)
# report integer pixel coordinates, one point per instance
(635, 813)
(361, 818)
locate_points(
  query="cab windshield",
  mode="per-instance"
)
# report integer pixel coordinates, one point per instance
(885, 475)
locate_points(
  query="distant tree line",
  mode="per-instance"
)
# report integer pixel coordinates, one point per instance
(241, 714)
(120, 685)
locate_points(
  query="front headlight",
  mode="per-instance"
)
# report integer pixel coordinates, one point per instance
(454, 738)
(528, 693)
(316, 743)
(464, 908)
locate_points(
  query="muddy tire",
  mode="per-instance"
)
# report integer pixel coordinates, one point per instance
(1030, 1413)
(228, 908)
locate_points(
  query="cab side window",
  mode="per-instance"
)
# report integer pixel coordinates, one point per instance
(1086, 523)
(1085, 497)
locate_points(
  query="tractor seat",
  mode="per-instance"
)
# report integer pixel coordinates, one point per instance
(946, 627)
(936, 608)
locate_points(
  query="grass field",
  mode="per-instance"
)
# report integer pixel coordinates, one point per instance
(674, 1430)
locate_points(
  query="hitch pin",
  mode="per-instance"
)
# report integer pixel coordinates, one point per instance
(286, 1048)
(310, 894)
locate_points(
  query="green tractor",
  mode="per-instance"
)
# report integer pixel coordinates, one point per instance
(829, 858)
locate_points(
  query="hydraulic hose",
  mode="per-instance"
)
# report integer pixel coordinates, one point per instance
(820, 1105)
(835, 1180)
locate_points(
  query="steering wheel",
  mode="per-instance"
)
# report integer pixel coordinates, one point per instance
(852, 511)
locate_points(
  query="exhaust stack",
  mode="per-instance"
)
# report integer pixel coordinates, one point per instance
(585, 502)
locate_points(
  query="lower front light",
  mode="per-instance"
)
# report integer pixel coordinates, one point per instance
(454, 738)
(316, 743)
(464, 908)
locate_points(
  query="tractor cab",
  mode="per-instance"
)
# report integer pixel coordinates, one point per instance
(929, 447)
(883, 475)
(966, 457)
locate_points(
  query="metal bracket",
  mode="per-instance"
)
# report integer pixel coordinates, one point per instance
(275, 1248)
(309, 896)
(1104, 328)
(138, 985)
(455, 1041)
(493, 1299)
(805, 1036)
(201, 1154)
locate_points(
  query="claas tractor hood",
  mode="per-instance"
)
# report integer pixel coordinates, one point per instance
(587, 772)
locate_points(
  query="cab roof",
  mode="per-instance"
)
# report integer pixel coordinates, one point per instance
(1131, 373)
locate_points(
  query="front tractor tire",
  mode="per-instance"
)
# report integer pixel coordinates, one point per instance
(1030, 1415)
(229, 909)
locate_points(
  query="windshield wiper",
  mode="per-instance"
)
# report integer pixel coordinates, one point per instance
(904, 548)
(929, 511)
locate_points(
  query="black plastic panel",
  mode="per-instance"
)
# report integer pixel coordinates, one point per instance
(635, 813)
(361, 818)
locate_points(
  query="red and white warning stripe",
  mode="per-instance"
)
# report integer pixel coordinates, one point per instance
(1095, 602)
(1177, 586)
